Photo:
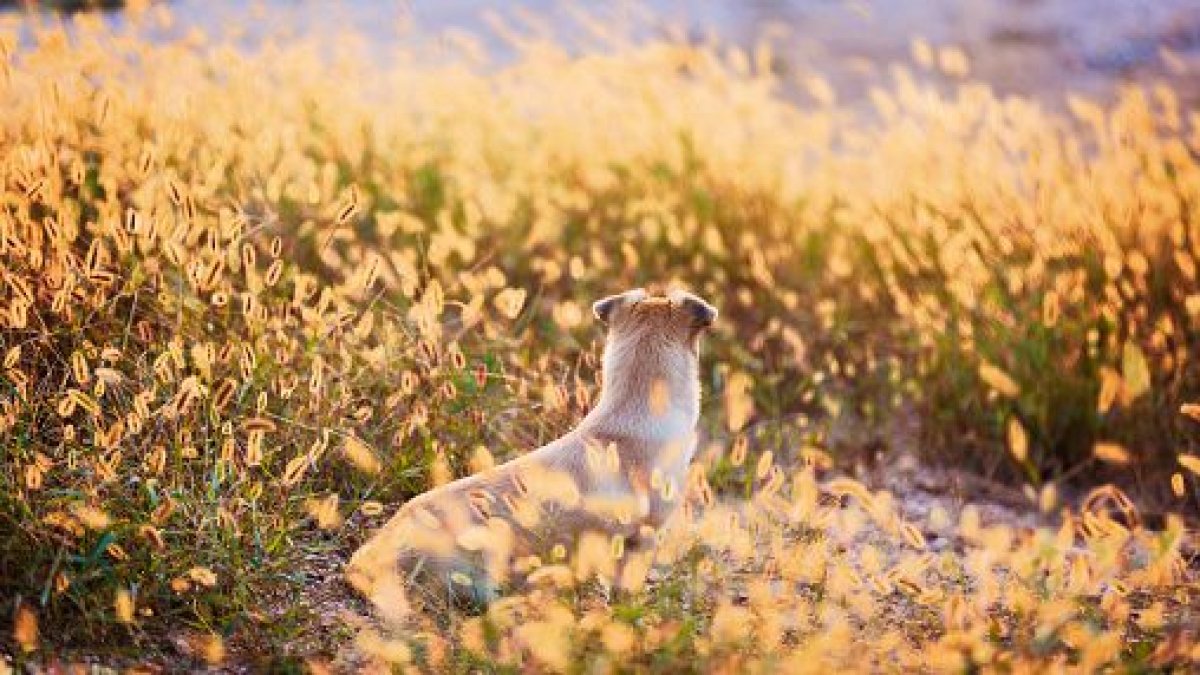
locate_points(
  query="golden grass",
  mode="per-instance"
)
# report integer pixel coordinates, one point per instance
(250, 296)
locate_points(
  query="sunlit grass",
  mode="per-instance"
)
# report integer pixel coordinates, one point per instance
(252, 300)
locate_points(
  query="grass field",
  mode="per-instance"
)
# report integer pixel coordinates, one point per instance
(251, 300)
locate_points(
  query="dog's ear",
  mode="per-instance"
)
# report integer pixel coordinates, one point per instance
(702, 313)
(606, 308)
(603, 309)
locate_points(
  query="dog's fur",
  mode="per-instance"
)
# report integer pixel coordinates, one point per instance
(620, 472)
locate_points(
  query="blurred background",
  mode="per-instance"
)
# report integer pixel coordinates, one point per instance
(1038, 48)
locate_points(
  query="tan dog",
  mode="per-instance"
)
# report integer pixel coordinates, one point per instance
(615, 478)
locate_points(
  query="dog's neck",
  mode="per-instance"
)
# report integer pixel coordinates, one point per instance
(650, 392)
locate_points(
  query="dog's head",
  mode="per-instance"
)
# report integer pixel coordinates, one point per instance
(675, 316)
